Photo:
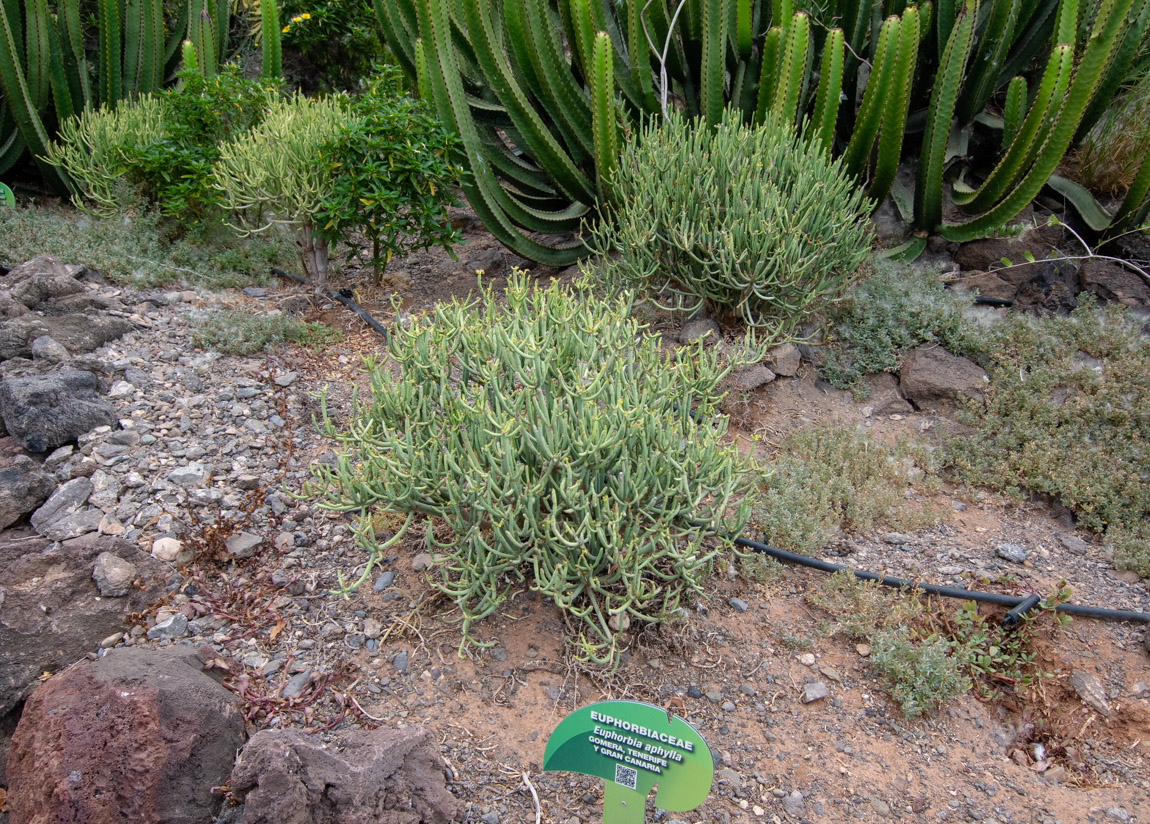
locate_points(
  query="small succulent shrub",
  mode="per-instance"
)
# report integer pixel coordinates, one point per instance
(161, 147)
(273, 175)
(393, 176)
(882, 318)
(1067, 413)
(861, 609)
(930, 654)
(241, 333)
(922, 673)
(548, 441)
(750, 221)
(336, 40)
(93, 150)
(831, 477)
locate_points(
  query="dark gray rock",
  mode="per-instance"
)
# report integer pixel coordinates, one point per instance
(66, 500)
(1113, 282)
(1012, 552)
(243, 544)
(814, 692)
(747, 379)
(703, 328)
(77, 332)
(49, 350)
(73, 525)
(785, 360)
(24, 486)
(988, 253)
(173, 627)
(51, 612)
(883, 396)
(932, 378)
(385, 776)
(987, 285)
(42, 413)
(139, 735)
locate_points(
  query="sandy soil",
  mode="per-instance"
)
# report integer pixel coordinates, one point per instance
(738, 676)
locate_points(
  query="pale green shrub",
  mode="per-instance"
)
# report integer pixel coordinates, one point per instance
(548, 442)
(749, 221)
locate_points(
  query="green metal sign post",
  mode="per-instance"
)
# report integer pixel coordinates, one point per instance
(633, 746)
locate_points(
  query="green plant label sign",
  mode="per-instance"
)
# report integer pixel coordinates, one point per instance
(6, 197)
(633, 747)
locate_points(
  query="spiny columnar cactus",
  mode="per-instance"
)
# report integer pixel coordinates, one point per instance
(552, 443)
(519, 80)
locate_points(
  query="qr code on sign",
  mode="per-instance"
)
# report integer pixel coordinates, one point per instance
(625, 776)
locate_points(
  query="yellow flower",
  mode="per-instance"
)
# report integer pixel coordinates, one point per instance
(305, 16)
(287, 28)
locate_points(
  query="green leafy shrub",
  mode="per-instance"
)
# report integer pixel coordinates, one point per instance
(829, 477)
(241, 333)
(199, 116)
(161, 147)
(1067, 413)
(393, 175)
(750, 221)
(922, 674)
(930, 654)
(861, 609)
(885, 316)
(336, 40)
(546, 441)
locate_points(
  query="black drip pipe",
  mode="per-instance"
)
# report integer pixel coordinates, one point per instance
(981, 301)
(1014, 602)
(344, 296)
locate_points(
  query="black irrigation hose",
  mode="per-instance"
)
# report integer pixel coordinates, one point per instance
(1015, 603)
(981, 301)
(344, 296)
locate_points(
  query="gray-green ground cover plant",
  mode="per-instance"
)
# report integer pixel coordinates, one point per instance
(132, 248)
(831, 477)
(747, 221)
(547, 442)
(883, 317)
(1067, 413)
(241, 333)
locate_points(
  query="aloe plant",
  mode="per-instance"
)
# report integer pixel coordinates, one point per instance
(50, 71)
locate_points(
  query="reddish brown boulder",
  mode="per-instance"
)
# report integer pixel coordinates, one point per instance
(932, 378)
(379, 777)
(51, 610)
(1113, 282)
(139, 735)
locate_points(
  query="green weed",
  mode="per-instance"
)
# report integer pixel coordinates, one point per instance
(132, 249)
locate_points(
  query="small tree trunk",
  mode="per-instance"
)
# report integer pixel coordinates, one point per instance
(313, 255)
